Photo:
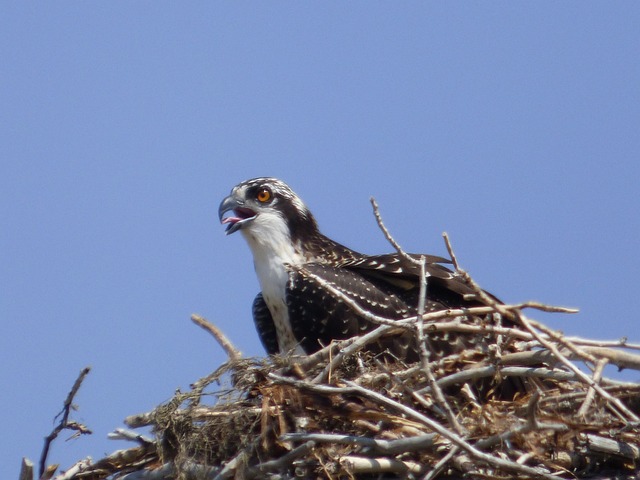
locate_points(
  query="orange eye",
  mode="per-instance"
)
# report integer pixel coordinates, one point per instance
(264, 195)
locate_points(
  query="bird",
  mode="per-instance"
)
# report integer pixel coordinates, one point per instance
(294, 314)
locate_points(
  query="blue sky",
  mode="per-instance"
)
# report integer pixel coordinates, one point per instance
(512, 126)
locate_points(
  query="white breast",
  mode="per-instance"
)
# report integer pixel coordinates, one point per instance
(270, 242)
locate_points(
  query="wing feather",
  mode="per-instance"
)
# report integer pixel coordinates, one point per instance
(264, 325)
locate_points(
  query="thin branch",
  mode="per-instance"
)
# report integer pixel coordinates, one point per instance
(401, 252)
(232, 352)
(491, 370)
(452, 255)
(379, 446)
(591, 393)
(437, 468)
(356, 465)
(26, 469)
(64, 420)
(287, 459)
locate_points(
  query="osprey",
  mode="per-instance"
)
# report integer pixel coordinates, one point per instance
(293, 313)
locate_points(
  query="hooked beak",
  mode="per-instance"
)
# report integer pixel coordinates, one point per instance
(241, 215)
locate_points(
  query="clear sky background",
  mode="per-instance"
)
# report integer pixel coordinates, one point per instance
(513, 126)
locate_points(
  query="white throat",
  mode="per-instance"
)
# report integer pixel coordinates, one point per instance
(270, 242)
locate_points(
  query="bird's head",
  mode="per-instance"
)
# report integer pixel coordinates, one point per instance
(263, 207)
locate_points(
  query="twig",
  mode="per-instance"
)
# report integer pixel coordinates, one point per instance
(165, 471)
(597, 376)
(424, 356)
(356, 465)
(379, 446)
(490, 371)
(287, 459)
(232, 352)
(610, 446)
(64, 421)
(621, 343)
(230, 469)
(560, 338)
(452, 255)
(401, 252)
(79, 467)
(122, 434)
(26, 469)
(437, 468)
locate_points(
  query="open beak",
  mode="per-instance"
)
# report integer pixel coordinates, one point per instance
(241, 215)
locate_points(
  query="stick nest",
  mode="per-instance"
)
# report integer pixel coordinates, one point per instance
(522, 401)
(356, 415)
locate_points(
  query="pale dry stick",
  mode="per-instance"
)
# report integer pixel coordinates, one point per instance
(284, 461)
(392, 241)
(452, 255)
(232, 352)
(621, 343)
(437, 468)
(409, 412)
(618, 358)
(26, 469)
(124, 434)
(581, 375)
(560, 338)
(610, 446)
(81, 466)
(490, 371)
(591, 393)
(626, 388)
(230, 470)
(615, 357)
(356, 465)
(424, 355)
(167, 470)
(379, 446)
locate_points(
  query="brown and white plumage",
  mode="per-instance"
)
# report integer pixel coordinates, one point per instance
(293, 313)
